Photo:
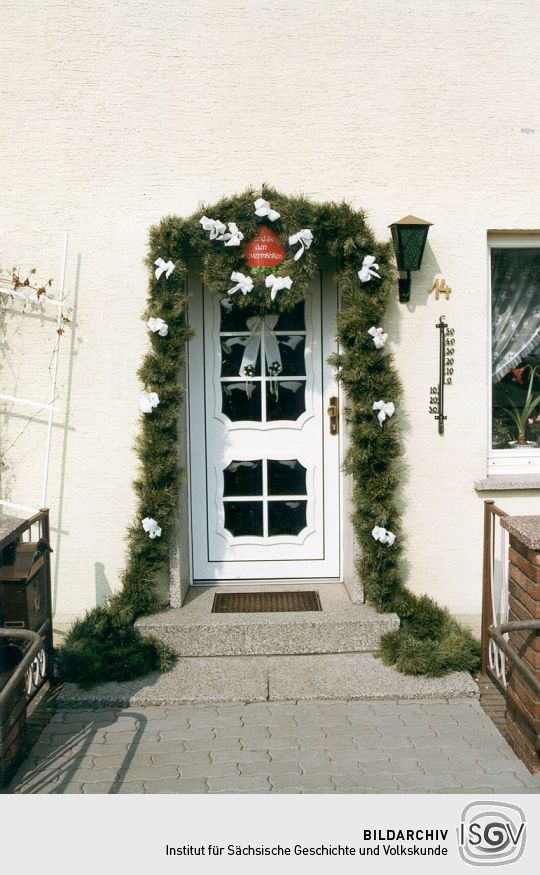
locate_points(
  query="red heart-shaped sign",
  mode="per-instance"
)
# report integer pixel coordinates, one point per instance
(265, 249)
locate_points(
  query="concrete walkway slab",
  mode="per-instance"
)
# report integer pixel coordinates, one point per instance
(357, 676)
(191, 681)
(276, 678)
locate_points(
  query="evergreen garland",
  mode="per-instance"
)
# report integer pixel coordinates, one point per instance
(103, 645)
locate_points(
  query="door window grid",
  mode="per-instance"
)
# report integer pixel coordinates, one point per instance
(265, 378)
(267, 496)
(264, 381)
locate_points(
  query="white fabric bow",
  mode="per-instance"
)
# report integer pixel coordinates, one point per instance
(159, 326)
(165, 267)
(384, 536)
(369, 269)
(244, 283)
(233, 236)
(148, 401)
(149, 525)
(259, 325)
(213, 226)
(379, 337)
(277, 283)
(384, 410)
(263, 208)
(304, 238)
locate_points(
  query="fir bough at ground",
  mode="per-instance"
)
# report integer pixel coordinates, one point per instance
(103, 645)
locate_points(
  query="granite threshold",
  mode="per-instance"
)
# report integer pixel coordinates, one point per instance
(243, 679)
(339, 627)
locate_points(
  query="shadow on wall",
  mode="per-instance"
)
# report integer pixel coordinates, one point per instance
(103, 589)
(421, 280)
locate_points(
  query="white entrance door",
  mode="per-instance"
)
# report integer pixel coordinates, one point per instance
(265, 476)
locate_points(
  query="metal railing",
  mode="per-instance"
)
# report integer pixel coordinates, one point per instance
(494, 593)
(34, 529)
(19, 672)
(497, 634)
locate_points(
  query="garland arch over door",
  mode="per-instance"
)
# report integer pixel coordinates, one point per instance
(219, 236)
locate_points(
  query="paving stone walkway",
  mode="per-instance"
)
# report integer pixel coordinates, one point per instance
(435, 746)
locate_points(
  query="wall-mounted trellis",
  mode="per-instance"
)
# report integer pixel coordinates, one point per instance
(11, 289)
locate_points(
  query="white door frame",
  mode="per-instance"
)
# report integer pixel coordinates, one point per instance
(195, 407)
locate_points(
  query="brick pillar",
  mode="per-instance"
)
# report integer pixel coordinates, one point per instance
(523, 704)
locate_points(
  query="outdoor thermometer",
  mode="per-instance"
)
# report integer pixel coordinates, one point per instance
(446, 371)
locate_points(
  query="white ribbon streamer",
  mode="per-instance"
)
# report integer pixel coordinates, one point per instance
(379, 337)
(244, 283)
(233, 236)
(148, 401)
(369, 269)
(213, 226)
(149, 525)
(384, 410)
(260, 326)
(165, 267)
(304, 238)
(384, 536)
(158, 326)
(277, 283)
(263, 208)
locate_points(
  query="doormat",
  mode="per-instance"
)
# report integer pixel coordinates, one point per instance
(265, 602)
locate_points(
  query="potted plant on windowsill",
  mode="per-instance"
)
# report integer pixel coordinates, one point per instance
(521, 417)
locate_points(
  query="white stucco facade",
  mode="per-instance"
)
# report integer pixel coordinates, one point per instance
(116, 114)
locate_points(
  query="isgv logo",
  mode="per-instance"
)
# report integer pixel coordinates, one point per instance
(491, 833)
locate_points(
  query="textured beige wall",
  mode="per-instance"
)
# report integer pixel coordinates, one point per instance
(115, 114)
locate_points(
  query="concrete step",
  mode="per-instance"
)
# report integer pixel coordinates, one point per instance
(344, 676)
(340, 627)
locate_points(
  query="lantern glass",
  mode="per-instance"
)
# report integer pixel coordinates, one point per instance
(409, 236)
(409, 246)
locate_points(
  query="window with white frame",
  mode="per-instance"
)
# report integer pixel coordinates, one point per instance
(515, 354)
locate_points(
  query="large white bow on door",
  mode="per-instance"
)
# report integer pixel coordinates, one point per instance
(259, 326)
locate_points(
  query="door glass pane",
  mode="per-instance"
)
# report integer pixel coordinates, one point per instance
(232, 351)
(285, 399)
(286, 477)
(241, 401)
(244, 518)
(243, 478)
(291, 348)
(234, 318)
(286, 517)
(292, 320)
(515, 348)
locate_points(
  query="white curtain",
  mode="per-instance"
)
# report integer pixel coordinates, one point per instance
(515, 307)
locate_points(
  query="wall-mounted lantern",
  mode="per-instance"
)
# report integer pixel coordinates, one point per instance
(409, 236)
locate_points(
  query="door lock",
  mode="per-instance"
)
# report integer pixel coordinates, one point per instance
(333, 414)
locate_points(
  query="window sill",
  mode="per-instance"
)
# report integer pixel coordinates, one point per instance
(507, 482)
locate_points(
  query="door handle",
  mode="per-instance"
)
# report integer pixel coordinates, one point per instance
(333, 414)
